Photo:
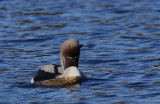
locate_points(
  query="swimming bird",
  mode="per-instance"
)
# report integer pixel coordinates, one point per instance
(65, 73)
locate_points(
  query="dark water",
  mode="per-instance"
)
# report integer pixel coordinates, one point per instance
(121, 52)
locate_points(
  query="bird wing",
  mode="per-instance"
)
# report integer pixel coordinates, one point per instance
(46, 72)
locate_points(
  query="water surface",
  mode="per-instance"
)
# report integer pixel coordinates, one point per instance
(121, 53)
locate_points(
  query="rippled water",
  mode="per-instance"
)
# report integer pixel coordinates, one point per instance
(121, 53)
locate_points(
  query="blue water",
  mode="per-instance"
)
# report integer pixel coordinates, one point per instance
(121, 53)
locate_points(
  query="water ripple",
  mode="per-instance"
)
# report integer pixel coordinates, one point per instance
(120, 56)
